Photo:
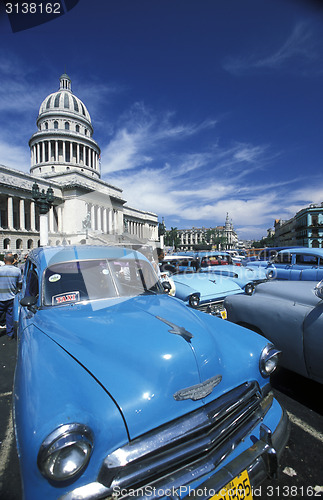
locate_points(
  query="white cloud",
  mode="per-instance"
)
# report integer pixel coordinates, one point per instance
(14, 157)
(300, 48)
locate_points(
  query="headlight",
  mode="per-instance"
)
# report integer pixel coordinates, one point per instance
(65, 453)
(249, 288)
(194, 300)
(268, 360)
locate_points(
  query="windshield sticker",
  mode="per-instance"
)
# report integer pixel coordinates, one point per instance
(54, 278)
(63, 298)
(105, 271)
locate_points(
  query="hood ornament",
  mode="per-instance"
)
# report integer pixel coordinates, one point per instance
(198, 391)
(177, 330)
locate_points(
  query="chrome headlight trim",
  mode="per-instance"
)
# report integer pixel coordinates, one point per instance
(65, 453)
(194, 300)
(268, 360)
(249, 288)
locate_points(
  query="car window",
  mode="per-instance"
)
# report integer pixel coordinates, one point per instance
(307, 260)
(76, 281)
(283, 258)
(32, 285)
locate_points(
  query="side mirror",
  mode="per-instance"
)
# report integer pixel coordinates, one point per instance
(319, 290)
(30, 303)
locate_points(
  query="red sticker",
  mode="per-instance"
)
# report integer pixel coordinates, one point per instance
(65, 297)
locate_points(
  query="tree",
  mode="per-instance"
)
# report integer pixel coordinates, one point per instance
(171, 238)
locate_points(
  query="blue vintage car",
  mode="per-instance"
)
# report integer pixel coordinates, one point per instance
(294, 263)
(204, 291)
(121, 390)
(297, 264)
(245, 276)
(290, 314)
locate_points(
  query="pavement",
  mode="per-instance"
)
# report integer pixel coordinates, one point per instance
(10, 484)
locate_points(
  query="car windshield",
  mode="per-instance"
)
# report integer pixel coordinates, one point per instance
(75, 281)
(215, 260)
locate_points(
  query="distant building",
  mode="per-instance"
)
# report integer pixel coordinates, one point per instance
(304, 229)
(222, 237)
(65, 157)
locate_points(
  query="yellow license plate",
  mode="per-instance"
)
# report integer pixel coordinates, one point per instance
(238, 489)
(223, 314)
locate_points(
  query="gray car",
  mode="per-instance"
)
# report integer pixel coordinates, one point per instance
(289, 314)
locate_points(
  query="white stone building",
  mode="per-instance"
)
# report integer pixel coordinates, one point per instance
(191, 238)
(66, 158)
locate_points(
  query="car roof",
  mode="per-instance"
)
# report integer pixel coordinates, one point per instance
(47, 256)
(311, 251)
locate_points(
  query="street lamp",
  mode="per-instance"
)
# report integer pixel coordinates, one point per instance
(44, 201)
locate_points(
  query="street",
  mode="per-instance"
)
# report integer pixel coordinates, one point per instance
(301, 466)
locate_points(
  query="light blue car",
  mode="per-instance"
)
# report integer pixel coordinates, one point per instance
(290, 314)
(245, 276)
(204, 291)
(295, 263)
(123, 391)
(299, 263)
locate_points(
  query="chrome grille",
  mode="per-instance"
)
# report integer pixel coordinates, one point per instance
(198, 442)
(211, 307)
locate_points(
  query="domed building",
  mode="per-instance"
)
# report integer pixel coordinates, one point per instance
(64, 141)
(65, 159)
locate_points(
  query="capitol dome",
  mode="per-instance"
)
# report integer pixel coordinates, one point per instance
(63, 100)
(63, 142)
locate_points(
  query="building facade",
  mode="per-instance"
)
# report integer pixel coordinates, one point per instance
(221, 237)
(66, 158)
(304, 229)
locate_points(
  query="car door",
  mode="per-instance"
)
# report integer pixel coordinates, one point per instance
(313, 342)
(307, 267)
(282, 264)
(30, 289)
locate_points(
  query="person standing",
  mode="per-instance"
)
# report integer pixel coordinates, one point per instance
(10, 283)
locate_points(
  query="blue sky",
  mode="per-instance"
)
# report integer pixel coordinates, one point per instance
(200, 107)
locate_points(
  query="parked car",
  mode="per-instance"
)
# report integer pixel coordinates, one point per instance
(290, 314)
(211, 259)
(245, 276)
(175, 263)
(121, 389)
(203, 291)
(297, 263)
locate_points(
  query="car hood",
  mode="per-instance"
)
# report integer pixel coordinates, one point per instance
(242, 272)
(299, 292)
(142, 351)
(209, 285)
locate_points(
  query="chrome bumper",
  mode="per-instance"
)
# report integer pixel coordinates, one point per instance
(261, 461)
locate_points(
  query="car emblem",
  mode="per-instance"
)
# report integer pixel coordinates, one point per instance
(177, 330)
(198, 391)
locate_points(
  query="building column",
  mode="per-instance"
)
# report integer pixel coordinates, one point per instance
(22, 214)
(77, 153)
(38, 152)
(71, 152)
(109, 220)
(56, 151)
(32, 216)
(64, 151)
(51, 219)
(10, 212)
(49, 151)
(99, 219)
(43, 151)
(59, 219)
(92, 217)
